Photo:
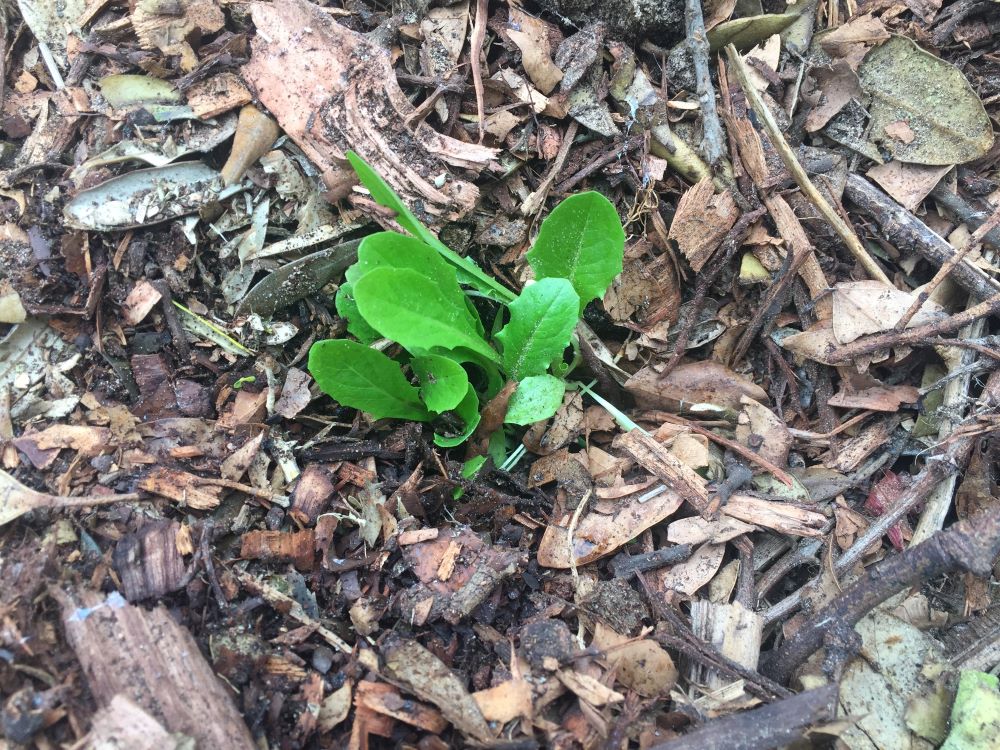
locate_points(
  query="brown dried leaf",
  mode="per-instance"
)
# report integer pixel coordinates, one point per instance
(690, 383)
(642, 666)
(876, 398)
(218, 94)
(43, 447)
(832, 88)
(864, 307)
(588, 688)
(847, 39)
(757, 419)
(689, 576)
(695, 530)
(507, 701)
(139, 302)
(385, 699)
(531, 35)
(427, 677)
(170, 32)
(597, 535)
(783, 517)
(640, 290)
(909, 184)
(16, 499)
(295, 394)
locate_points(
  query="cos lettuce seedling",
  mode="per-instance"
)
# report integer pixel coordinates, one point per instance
(416, 292)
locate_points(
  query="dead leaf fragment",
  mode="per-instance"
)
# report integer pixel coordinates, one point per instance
(426, 676)
(909, 184)
(170, 32)
(588, 688)
(505, 702)
(16, 499)
(693, 383)
(139, 302)
(531, 35)
(864, 307)
(597, 535)
(642, 666)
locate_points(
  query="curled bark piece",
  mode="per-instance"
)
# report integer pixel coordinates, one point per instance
(345, 96)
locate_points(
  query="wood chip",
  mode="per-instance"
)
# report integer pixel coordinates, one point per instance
(148, 657)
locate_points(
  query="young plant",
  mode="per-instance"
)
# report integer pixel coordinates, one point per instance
(417, 293)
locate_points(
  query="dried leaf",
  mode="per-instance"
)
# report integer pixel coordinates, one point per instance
(642, 666)
(693, 383)
(426, 676)
(338, 105)
(909, 184)
(864, 307)
(16, 499)
(932, 97)
(531, 35)
(597, 535)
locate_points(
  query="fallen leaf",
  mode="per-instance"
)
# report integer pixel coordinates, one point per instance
(695, 530)
(295, 394)
(864, 307)
(693, 383)
(689, 576)
(531, 35)
(338, 104)
(940, 106)
(427, 677)
(139, 302)
(16, 499)
(597, 535)
(642, 666)
(505, 702)
(589, 689)
(876, 398)
(755, 419)
(909, 184)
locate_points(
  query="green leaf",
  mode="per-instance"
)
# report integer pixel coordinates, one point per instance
(364, 379)
(536, 398)
(393, 250)
(407, 307)
(347, 308)
(443, 381)
(541, 324)
(386, 196)
(581, 240)
(471, 467)
(468, 410)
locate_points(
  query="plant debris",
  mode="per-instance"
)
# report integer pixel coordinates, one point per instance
(561, 375)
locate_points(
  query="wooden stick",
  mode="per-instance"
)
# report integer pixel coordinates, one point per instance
(843, 231)
(907, 232)
(919, 336)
